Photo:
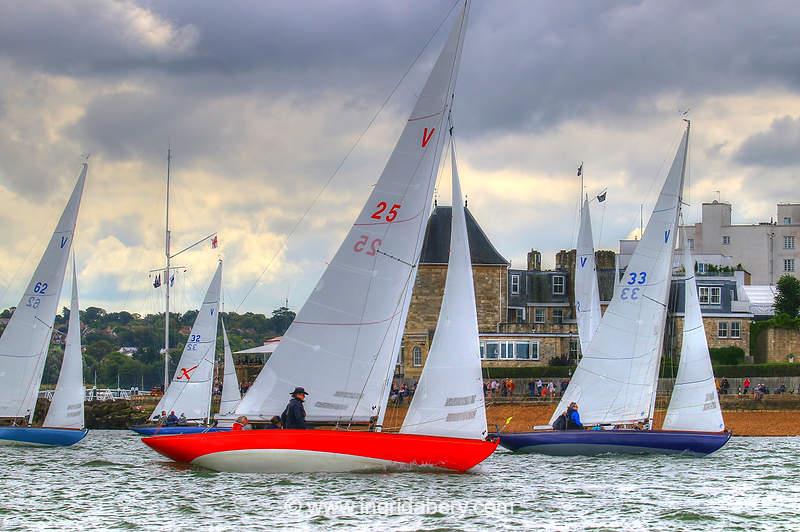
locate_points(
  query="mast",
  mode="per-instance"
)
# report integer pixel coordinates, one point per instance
(166, 280)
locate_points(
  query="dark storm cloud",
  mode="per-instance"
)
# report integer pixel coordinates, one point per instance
(526, 64)
(778, 146)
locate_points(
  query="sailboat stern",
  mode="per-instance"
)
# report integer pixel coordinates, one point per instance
(311, 451)
(594, 442)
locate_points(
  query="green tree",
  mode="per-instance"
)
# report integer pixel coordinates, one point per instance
(787, 300)
(281, 319)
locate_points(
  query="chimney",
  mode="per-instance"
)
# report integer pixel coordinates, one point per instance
(534, 261)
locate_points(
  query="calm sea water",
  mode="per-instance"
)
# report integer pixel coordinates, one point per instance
(112, 481)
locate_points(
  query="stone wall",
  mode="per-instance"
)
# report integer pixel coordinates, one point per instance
(778, 344)
(491, 301)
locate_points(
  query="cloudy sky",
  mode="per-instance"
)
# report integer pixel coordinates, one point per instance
(262, 100)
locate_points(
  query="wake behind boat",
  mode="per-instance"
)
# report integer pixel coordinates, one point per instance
(616, 380)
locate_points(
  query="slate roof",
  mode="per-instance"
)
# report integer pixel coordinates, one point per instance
(436, 246)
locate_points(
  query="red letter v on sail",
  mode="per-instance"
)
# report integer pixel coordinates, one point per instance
(426, 137)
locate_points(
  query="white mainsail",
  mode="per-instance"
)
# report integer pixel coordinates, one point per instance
(449, 397)
(23, 346)
(231, 394)
(694, 404)
(615, 381)
(345, 338)
(587, 293)
(190, 391)
(66, 408)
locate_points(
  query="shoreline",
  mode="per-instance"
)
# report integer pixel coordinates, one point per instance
(762, 422)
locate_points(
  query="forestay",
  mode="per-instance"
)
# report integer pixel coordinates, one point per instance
(345, 338)
(449, 397)
(190, 390)
(615, 381)
(230, 383)
(694, 404)
(23, 346)
(587, 294)
(66, 408)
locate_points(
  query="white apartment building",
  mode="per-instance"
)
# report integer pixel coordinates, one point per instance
(766, 250)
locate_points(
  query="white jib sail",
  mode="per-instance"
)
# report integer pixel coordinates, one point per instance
(23, 346)
(449, 396)
(615, 381)
(230, 383)
(587, 293)
(694, 404)
(345, 338)
(66, 408)
(190, 390)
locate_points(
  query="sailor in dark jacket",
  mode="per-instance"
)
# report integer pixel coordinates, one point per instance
(294, 416)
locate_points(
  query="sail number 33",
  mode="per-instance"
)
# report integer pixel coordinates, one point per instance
(632, 292)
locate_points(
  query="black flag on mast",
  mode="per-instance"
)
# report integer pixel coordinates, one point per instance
(580, 170)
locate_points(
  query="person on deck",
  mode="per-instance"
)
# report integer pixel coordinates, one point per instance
(162, 419)
(172, 419)
(573, 418)
(182, 419)
(241, 423)
(294, 416)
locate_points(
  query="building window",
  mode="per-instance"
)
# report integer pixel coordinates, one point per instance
(492, 350)
(573, 348)
(788, 265)
(691, 243)
(722, 329)
(515, 284)
(558, 285)
(709, 295)
(787, 220)
(483, 350)
(416, 356)
(558, 315)
(788, 242)
(506, 350)
(701, 267)
(726, 240)
(538, 315)
(522, 350)
(736, 329)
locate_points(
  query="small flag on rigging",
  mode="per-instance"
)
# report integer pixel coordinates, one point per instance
(172, 280)
(214, 242)
(602, 196)
(580, 170)
(157, 282)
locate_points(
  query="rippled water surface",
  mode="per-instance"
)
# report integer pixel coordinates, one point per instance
(112, 481)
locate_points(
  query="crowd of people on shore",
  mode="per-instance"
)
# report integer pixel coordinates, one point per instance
(534, 389)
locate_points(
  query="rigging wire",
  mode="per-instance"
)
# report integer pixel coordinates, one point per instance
(330, 178)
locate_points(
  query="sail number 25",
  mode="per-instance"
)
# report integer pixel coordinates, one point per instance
(381, 208)
(632, 292)
(365, 245)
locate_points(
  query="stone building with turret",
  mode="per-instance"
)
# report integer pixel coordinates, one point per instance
(527, 317)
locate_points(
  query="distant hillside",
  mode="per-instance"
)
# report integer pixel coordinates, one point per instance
(105, 333)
